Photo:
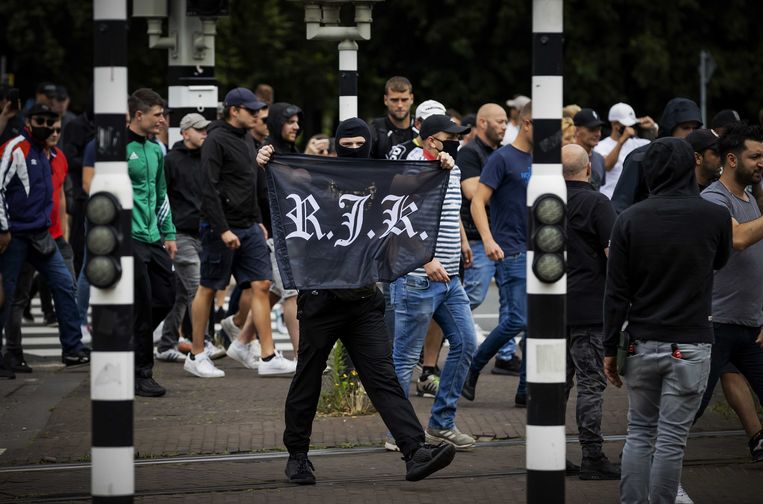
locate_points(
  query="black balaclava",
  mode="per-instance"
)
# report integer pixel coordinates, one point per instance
(353, 127)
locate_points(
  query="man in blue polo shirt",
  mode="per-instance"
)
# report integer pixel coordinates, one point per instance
(503, 184)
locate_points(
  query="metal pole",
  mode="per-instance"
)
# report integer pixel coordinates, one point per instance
(191, 70)
(546, 302)
(703, 85)
(348, 79)
(112, 362)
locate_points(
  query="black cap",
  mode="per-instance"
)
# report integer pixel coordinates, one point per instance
(243, 97)
(588, 118)
(702, 139)
(47, 88)
(724, 118)
(469, 120)
(440, 122)
(39, 109)
(61, 93)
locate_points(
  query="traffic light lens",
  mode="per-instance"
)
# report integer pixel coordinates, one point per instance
(103, 271)
(101, 209)
(549, 267)
(549, 239)
(101, 240)
(549, 210)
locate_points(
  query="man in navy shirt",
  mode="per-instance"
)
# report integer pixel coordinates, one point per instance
(503, 184)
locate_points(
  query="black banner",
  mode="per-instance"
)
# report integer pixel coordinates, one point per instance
(342, 223)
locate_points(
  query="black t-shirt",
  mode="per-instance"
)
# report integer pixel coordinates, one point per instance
(471, 158)
(385, 135)
(590, 220)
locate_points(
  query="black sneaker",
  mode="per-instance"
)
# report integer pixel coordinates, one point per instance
(16, 363)
(570, 468)
(428, 459)
(50, 320)
(147, 387)
(299, 469)
(598, 468)
(756, 447)
(507, 367)
(468, 390)
(78, 358)
(28, 313)
(6, 372)
(520, 401)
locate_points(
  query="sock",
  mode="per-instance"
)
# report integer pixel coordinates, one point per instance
(269, 357)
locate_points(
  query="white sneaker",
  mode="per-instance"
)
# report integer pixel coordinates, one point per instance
(480, 333)
(230, 328)
(158, 332)
(214, 352)
(87, 338)
(390, 444)
(201, 366)
(277, 366)
(169, 355)
(243, 353)
(682, 497)
(256, 349)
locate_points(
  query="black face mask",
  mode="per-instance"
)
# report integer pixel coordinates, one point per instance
(451, 147)
(41, 133)
(352, 128)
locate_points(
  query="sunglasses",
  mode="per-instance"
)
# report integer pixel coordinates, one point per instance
(57, 130)
(44, 121)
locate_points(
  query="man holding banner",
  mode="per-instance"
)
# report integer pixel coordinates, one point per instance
(333, 243)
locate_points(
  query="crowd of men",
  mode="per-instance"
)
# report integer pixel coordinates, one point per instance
(664, 285)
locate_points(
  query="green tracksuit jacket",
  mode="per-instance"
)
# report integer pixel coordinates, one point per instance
(151, 214)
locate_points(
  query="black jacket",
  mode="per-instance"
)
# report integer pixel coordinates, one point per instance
(632, 187)
(229, 193)
(662, 254)
(182, 171)
(76, 135)
(385, 135)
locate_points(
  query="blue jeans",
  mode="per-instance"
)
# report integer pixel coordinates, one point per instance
(477, 277)
(512, 287)
(417, 301)
(664, 394)
(60, 281)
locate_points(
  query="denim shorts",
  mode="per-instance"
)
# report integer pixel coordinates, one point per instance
(249, 263)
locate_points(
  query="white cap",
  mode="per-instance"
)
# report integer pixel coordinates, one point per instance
(518, 102)
(428, 108)
(622, 113)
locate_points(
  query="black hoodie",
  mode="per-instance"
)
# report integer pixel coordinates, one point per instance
(662, 254)
(278, 114)
(229, 193)
(182, 171)
(632, 187)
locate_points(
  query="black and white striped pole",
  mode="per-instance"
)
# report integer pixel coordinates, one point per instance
(322, 22)
(110, 265)
(546, 266)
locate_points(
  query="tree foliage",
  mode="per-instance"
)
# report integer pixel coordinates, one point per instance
(463, 54)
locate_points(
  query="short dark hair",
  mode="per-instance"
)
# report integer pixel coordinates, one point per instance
(398, 84)
(732, 140)
(143, 100)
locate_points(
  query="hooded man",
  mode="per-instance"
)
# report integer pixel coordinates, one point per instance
(664, 293)
(680, 117)
(284, 121)
(356, 316)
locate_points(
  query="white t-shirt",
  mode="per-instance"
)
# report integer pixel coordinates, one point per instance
(605, 147)
(511, 133)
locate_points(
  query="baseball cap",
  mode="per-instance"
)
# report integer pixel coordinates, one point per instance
(440, 122)
(469, 120)
(588, 118)
(243, 97)
(193, 120)
(724, 118)
(622, 113)
(38, 109)
(703, 139)
(47, 88)
(518, 102)
(429, 108)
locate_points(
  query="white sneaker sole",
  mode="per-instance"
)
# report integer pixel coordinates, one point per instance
(274, 374)
(430, 439)
(390, 446)
(194, 372)
(240, 361)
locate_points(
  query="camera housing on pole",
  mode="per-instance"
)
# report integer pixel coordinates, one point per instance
(546, 266)
(322, 22)
(190, 41)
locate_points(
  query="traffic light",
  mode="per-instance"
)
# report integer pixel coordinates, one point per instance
(206, 8)
(548, 238)
(104, 238)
